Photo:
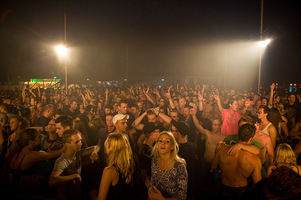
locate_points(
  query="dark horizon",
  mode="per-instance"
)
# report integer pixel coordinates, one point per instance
(163, 38)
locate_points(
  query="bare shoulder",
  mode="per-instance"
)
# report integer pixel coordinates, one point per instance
(249, 157)
(272, 128)
(110, 170)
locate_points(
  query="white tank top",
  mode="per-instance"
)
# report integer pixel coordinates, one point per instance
(265, 130)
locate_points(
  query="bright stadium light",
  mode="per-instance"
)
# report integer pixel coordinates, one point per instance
(264, 43)
(61, 50)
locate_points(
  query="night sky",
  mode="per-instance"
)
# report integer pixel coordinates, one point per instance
(164, 39)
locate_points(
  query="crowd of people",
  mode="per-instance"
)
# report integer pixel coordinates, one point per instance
(147, 142)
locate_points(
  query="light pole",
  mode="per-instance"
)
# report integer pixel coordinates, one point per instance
(61, 50)
(262, 45)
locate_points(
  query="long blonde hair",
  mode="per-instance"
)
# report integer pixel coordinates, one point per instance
(174, 152)
(284, 155)
(120, 155)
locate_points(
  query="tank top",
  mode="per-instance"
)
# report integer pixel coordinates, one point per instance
(121, 190)
(265, 130)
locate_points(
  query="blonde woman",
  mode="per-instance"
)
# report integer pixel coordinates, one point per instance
(169, 175)
(117, 177)
(284, 156)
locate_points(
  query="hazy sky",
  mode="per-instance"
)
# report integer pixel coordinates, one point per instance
(163, 39)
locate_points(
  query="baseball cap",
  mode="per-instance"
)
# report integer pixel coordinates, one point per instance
(182, 127)
(119, 117)
(150, 127)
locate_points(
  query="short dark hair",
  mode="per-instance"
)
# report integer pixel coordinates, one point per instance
(109, 106)
(64, 120)
(122, 101)
(245, 132)
(66, 138)
(188, 106)
(265, 109)
(73, 100)
(247, 119)
(231, 100)
(150, 112)
(135, 105)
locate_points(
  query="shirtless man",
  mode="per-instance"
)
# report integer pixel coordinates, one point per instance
(266, 147)
(236, 169)
(212, 137)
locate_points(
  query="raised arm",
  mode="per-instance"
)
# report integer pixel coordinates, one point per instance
(137, 123)
(165, 118)
(23, 94)
(246, 107)
(219, 105)
(200, 98)
(107, 96)
(168, 96)
(33, 94)
(196, 121)
(271, 100)
(149, 98)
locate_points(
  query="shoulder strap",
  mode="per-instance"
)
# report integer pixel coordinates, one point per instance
(18, 166)
(163, 174)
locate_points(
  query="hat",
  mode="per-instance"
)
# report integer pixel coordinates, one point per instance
(149, 127)
(182, 127)
(119, 117)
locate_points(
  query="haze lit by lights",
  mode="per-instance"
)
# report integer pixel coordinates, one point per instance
(61, 50)
(264, 43)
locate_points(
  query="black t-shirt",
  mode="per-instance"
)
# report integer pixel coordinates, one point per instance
(71, 114)
(144, 156)
(188, 152)
(43, 121)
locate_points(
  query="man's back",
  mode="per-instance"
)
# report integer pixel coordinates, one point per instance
(236, 169)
